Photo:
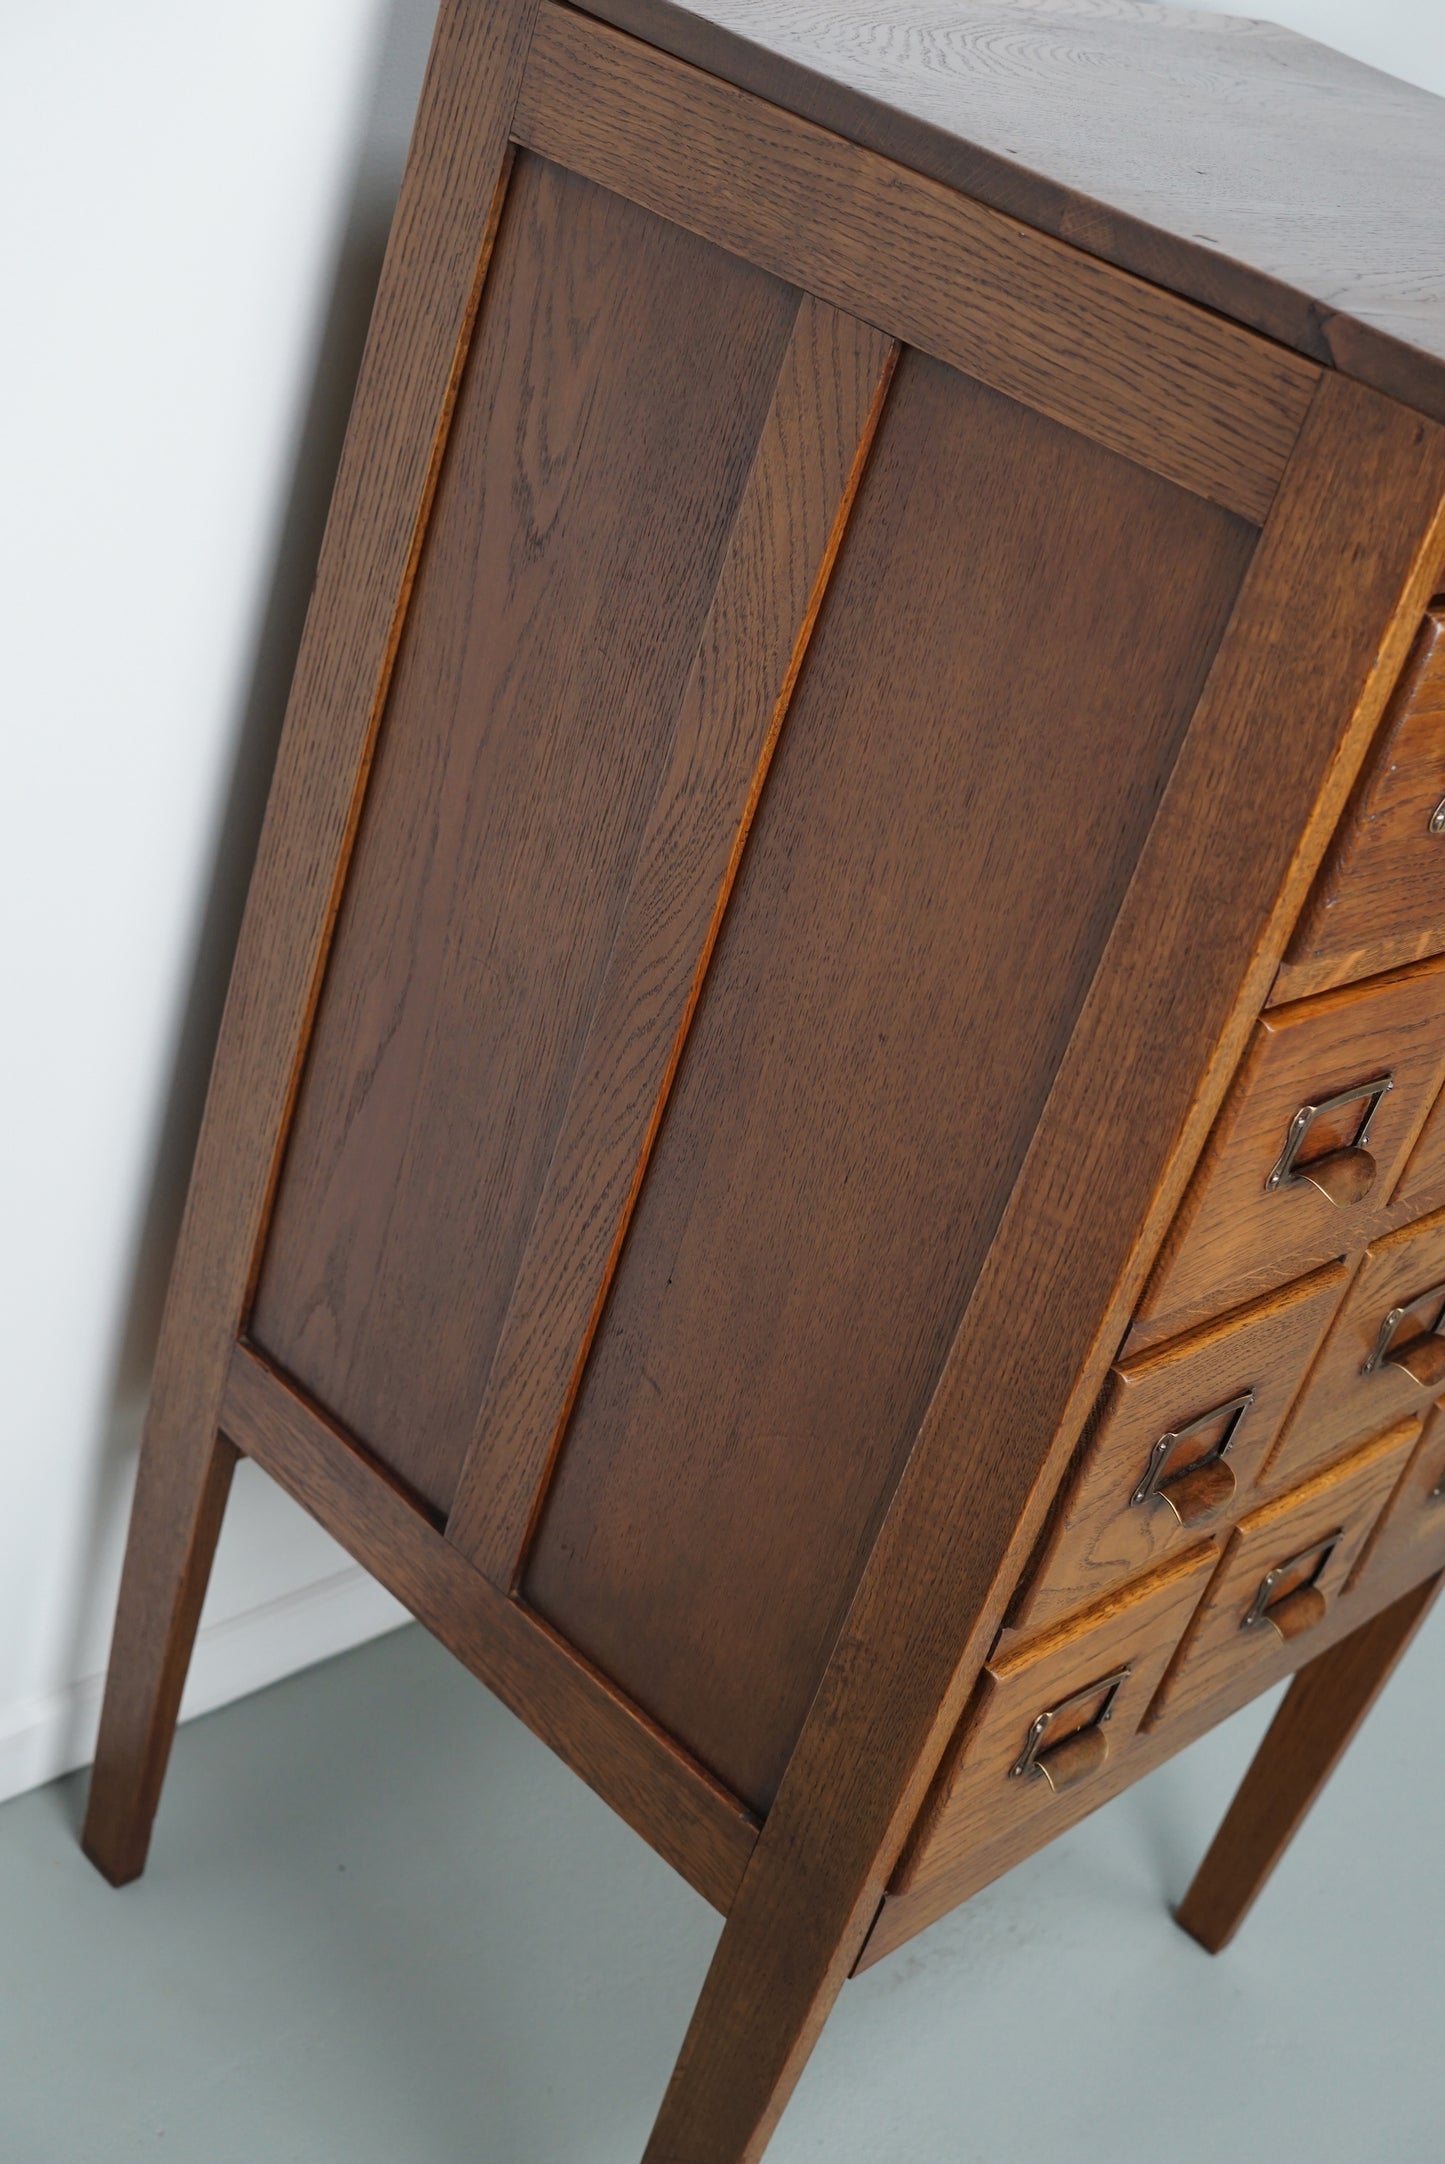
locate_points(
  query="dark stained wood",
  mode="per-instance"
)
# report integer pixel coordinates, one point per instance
(675, 1806)
(430, 285)
(163, 1613)
(1380, 896)
(1099, 1536)
(903, 1914)
(1350, 553)
(780, 552)
(1188, 395)
(1263, 174)
(961, 791)
(620, 378)
(1018, 884)
(1307, 1738)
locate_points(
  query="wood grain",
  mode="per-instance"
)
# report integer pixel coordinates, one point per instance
(903, 1915)
(956, 805)
(1409, 1538)
(431, 281)
(780, 553)
(1098, 1536)
(687, 1817)
(1320, 1716)
(1262, 174)
(1347, 559)
(1422, 1183)
(1340, 1404)
(620, 378)
(1346, 1498)
(975, 1796)
(1380, 896)
(1186, 394)
(1232, 1237)
(132, 1760)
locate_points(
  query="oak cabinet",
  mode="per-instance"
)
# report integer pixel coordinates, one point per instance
(840, 1021)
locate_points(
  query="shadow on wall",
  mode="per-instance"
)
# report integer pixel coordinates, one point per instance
(389, 107)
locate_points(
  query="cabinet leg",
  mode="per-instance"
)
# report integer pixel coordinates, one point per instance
(1308, 1736)
(176, 1520)
(784, 1956)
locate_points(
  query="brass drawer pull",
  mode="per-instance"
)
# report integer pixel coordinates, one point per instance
(1081, 1753)
(1201, 1489)
(1302, 1605)
(1343, 1176)
(1422, 1356)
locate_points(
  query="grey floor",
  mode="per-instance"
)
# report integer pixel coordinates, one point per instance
(382, 1925)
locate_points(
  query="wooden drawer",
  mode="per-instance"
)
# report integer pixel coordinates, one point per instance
(1422, 1185)
(1408, 1542)
(1380, 1361)
(1284, 1567)
(1305, 1148)
(1178, 1436)
(1380, 897)
(1051, 1713)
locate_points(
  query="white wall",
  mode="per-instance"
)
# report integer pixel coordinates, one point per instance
(193, 202)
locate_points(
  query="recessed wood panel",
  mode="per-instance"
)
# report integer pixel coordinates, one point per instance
(607, 419)
(792, 515)
(1015, 636)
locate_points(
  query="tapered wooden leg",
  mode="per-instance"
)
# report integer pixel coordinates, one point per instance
(179, 1504)
(761, 2011)
(1308, 1736)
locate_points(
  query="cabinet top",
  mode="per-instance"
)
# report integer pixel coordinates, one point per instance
(1233, 161)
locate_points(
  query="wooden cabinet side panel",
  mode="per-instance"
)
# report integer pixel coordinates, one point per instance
(1325, 617)
(618, 382)
(981, 734)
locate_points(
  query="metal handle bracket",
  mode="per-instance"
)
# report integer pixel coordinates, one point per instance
(1304, 1604)
(1033, 1762)
(1422, 1356)
(1343, 1176)
(1206, 1496)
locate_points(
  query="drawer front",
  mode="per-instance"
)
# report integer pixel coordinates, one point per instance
(1177, 1441)
(1383, 1358)
(1049, 1715)
(1380, 896)
(1310, 1143)
(1408, 1542)
(1422, 1186)
(1284, 1568)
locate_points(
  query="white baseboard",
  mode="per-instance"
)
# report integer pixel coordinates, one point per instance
(44, 1737)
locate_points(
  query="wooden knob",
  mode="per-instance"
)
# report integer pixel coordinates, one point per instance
(1343, 1177)
(1422, 1358)
(1199, 1495)
(1075, 1759)
(1297, 1612)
